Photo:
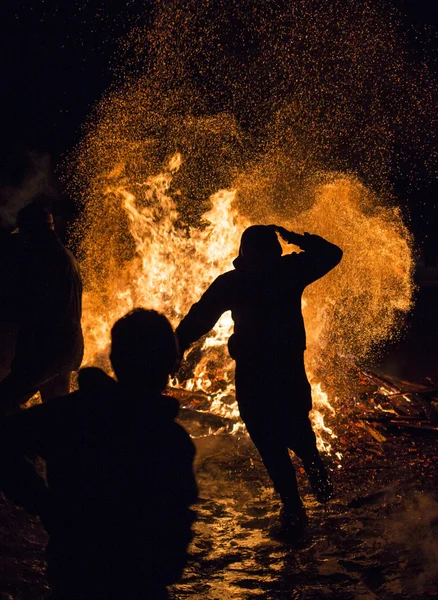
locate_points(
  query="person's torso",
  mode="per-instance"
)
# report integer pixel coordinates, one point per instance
(51, 280)
(266, 309)
(106, 461)
(50, 305)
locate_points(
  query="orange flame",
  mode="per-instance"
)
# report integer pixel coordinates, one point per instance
(172, 264)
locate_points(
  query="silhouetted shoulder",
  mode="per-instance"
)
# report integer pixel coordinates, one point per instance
(180, 455)
(183, 444)
(93, 379)
(224, 284)
(227, 278)
(184, 438)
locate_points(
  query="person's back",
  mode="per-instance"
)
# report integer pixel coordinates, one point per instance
(10, 250)
(120, 469)
(266, 307)
(119, 472)
(46, 304)
(51, 290)
(263, 292)
(9, 297)
(273, 393)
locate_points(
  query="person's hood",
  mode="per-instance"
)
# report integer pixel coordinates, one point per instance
(259, 249)
(263, 264)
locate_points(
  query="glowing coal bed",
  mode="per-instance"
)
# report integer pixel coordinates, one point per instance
(169, 264)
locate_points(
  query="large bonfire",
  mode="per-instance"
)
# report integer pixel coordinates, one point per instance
(169, 184)
(169, 264)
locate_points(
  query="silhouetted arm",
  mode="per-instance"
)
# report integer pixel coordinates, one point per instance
(203, 314)
(22, 435)
(319, 256)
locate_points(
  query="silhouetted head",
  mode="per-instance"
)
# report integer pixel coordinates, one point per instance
(259, 243)
(34, 218)
(143, 349)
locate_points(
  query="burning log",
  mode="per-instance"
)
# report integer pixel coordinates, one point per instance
(413, 427)
(402, 406)
(196, 415)
(197, 401)
(371, 430)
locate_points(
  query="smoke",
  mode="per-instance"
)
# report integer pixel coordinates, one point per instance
(27, 175)
(414, 532)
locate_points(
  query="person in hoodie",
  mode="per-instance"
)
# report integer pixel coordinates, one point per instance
(120, 479)
(263, 293)
(45, 301)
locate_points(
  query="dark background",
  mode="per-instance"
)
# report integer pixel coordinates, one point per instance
(58, 58)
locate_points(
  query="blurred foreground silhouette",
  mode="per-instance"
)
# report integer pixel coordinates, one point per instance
(119, 472)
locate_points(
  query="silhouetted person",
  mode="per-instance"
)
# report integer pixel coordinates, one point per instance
(119, 472)
(45, 300)
(264, 293)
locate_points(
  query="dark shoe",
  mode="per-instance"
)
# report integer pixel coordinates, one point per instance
(293, 520)
(319, 481)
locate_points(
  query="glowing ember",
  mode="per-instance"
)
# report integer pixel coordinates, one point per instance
(171, 266)
(171, 174)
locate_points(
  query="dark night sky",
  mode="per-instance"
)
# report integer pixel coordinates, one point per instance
(58, 65)
(57, 58)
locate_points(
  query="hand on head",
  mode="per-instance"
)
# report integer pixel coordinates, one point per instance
(282, 231)
(289, 236)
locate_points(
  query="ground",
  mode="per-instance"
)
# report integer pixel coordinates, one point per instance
(375, 540)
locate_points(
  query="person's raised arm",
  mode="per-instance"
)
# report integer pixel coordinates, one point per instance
(203, 314)
(319, 256)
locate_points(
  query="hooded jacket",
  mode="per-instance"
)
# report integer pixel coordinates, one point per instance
(264, 297)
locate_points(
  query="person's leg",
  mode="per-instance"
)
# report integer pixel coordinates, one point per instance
(275, 457)
(134, 587)
(65, 590)
(301, 437)
(251, 397)
(266, 429)
(157, 592)
(303, 443)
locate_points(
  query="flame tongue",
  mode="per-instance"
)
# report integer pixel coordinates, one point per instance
(171, 264)
(171, 267)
